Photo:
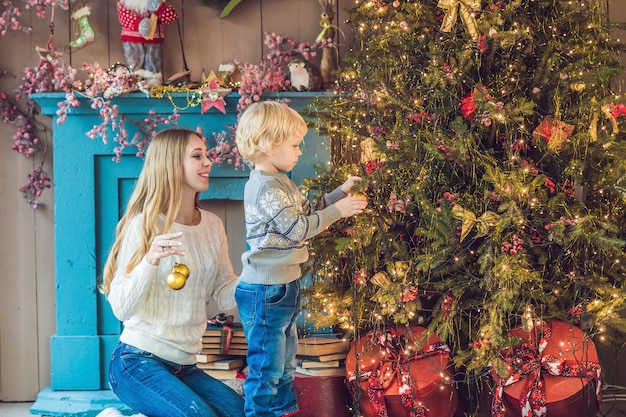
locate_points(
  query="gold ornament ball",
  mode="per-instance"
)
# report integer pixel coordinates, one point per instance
(359, 194)
(176, 280)
(181, 269)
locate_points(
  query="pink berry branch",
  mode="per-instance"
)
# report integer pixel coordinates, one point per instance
(26, 140)
(18, 110)
(100, 87)
(271, 74)
(225, 149)
(11, 16)
(53, 75)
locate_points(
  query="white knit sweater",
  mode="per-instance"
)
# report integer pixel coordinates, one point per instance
(166, 322)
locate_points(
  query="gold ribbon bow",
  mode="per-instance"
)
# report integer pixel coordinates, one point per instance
(325, 28)
(482, 223)
(607, 112)
(466, 9)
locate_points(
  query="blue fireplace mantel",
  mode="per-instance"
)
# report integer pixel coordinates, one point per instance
(90, 193)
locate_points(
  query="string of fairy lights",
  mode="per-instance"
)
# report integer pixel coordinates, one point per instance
(583, 277)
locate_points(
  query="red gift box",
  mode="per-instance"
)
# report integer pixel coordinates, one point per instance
(397, 377)
(554, 132)
(323, 396)
(554, 372)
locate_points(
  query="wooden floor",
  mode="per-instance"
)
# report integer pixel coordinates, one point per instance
(612, 406)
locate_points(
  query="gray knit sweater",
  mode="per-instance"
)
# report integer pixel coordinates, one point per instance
(279, 220)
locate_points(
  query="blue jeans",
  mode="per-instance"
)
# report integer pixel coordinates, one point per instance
(158, 388)
(268, 314)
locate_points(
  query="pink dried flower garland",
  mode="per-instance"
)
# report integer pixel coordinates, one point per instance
(100, 87)
(53, 75)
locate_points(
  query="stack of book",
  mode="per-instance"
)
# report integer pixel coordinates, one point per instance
(218, 340)
(223, 368)
(322, 356)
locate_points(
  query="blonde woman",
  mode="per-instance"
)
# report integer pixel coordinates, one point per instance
(153, 369)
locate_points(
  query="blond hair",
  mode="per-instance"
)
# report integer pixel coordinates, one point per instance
(266, 124)
(159, 189)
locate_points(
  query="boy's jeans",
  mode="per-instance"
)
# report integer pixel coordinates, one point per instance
(268, 314)
(159, 388)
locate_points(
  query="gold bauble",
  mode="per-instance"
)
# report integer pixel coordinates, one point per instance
(176, 280)
(181, 268)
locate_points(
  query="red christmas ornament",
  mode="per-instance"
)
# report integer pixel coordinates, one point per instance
(553, 373)
(469, 103)
(397, 377)
(468, 107)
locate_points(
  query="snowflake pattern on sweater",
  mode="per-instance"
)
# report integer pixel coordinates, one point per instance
(279, 221)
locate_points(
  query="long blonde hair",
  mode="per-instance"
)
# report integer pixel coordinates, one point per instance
(264, 125)
(159, 189)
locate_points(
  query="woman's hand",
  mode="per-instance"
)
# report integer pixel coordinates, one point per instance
(164, 246)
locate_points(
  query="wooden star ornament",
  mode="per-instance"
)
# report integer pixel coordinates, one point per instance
(212, 94)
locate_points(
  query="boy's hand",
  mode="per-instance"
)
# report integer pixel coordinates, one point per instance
(351, 205)
(346, 187)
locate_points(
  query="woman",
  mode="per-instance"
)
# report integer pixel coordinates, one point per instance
(153, 367)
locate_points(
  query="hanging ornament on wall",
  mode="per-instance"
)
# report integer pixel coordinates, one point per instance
(329, 62)
(49, 53)
(87, 34)
(212, 94)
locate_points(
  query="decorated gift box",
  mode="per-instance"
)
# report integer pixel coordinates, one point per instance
(224, 336)
(554, 132)
(393, 372)
(553, 372)
(323, 396)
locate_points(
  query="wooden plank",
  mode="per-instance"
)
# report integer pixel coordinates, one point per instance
(231, 214)
(242, 34)
(27, 235)
(103, 20)
(18, 280)
(113, 53)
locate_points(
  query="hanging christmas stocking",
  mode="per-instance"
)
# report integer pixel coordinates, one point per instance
(87, 34)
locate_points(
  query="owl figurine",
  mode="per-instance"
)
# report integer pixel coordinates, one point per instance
(303, 75)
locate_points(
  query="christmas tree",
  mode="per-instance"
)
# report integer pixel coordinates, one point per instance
(491, 146)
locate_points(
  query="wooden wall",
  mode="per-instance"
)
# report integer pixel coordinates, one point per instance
(27, 281)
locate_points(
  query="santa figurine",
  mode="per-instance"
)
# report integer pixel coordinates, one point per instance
(142, 36)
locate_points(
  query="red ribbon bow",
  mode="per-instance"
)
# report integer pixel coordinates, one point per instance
(529, 363)
(617, 110)
(394, 365)
(222, 320)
